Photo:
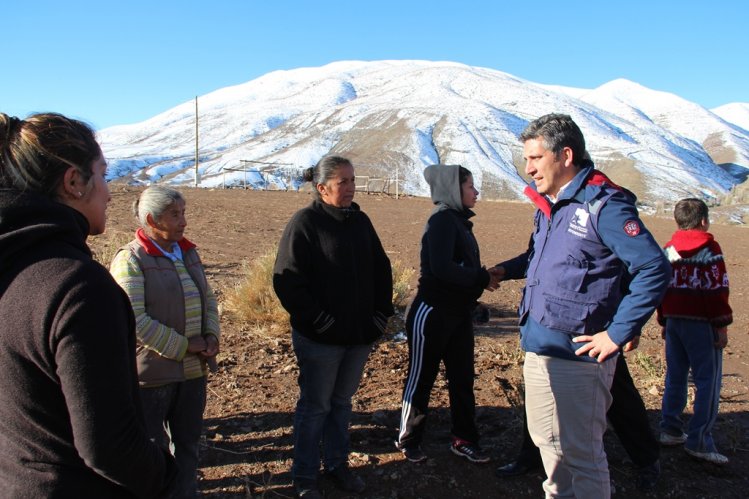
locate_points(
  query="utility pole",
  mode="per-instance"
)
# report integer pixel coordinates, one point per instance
(396, 181)
(197, 174)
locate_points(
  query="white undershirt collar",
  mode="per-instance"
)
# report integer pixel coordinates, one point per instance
(174, 255)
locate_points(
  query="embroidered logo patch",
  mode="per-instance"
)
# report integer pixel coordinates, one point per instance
(632, 228)
(579, 223)
(581, 217)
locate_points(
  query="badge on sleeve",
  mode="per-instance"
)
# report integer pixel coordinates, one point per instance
(632, 228)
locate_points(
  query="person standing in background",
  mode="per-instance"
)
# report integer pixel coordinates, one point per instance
(695, 315)
(177, 326)
(334, 279)
(439, 322)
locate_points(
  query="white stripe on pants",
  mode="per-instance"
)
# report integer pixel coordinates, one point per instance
(566, 403)
(417, 353)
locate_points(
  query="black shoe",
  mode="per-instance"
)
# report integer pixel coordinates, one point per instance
(306, 489)
(647, 477)
(413, 452)
(346, 480)
(517, 468)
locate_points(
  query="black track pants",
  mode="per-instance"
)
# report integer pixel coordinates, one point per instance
(436, 335)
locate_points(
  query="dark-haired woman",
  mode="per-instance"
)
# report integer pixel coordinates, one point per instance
(334, 278)
(71, 423)
(439, 324)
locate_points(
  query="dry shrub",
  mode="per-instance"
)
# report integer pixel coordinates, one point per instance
(253, 300)
(509, 355)
(654, 366)
(104, 246)
(402, 276)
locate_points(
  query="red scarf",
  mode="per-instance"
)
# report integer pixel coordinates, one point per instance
(152, 249)
(542, 203)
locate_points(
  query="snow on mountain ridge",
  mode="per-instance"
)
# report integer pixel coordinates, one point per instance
(414, 113)
(736, 113)
(677, 115)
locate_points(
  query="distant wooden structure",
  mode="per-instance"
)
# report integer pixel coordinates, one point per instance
(285, 171)
(288, 172)
(365, 183)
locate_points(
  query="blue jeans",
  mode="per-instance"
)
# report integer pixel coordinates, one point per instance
(690, 344)
(329, 376)
(177, 408)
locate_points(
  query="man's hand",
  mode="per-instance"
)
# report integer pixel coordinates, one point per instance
(632, 344)
(598, 346)
(721, 337)
(498, 271)
(494, 277)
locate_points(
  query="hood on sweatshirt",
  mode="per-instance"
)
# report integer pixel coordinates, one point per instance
(444, 185)
(688, 241)
(29, 219)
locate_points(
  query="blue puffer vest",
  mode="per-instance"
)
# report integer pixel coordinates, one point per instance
(587, 286)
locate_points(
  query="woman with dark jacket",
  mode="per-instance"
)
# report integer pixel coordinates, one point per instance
(439, 323)
(71, 423)
(334, 278)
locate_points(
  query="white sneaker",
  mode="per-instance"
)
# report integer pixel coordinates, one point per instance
(711, 457)
(668, 439)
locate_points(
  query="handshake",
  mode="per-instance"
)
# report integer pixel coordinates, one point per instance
(496, 274)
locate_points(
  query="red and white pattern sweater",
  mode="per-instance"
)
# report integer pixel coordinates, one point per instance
(699, 283)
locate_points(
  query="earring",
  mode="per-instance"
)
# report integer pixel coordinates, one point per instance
(80, 194)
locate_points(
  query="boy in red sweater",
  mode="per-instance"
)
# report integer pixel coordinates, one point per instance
(694, 314)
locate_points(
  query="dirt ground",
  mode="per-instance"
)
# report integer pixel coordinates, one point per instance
(247, 450)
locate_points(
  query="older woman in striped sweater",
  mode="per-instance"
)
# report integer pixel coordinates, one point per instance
(177, 325)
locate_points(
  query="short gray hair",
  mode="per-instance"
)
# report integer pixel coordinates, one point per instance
(154, 201)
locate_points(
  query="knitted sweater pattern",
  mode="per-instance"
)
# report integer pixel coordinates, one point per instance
(698, 289)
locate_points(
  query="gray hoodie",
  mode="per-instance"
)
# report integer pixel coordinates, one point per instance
(444, 186)
(451, 275)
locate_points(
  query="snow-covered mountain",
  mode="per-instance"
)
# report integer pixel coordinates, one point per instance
(736, 113)
(396, 117)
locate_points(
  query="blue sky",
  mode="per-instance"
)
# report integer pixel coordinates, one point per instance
(113, 63)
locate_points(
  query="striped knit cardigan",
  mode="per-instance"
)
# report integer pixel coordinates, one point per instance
(172, 302)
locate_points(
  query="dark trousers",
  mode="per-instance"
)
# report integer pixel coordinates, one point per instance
(174, 420)
(436, 335)
(329, 376)
(627, 416)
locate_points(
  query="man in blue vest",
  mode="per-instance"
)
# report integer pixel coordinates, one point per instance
(577, 312)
